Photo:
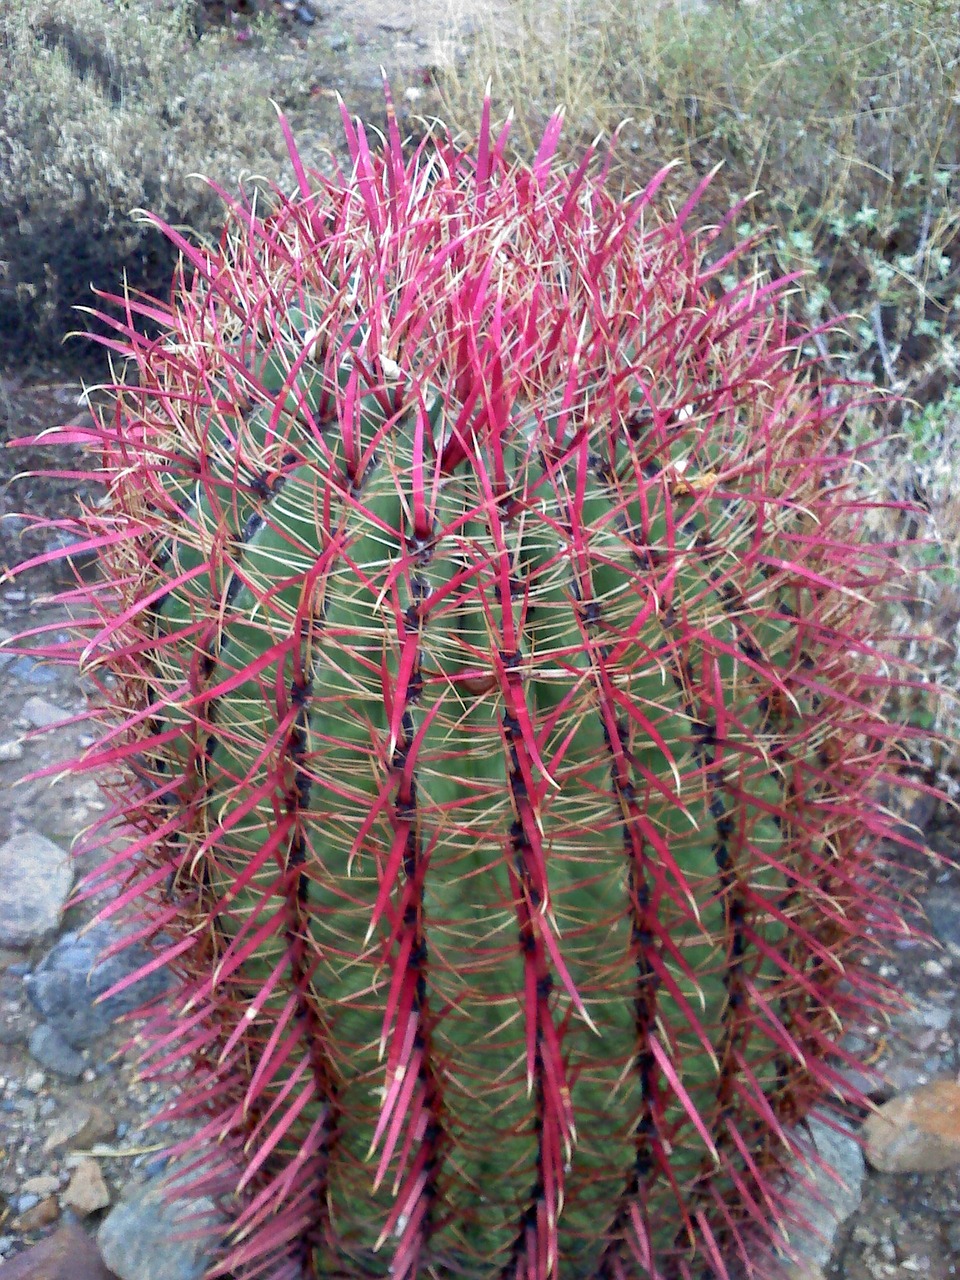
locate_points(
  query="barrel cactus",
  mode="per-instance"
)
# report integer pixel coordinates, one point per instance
(494, 702)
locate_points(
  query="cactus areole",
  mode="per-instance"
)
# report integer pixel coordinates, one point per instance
(494, 706)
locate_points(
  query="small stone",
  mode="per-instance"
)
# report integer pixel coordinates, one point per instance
(35, 1082)
(41, 1215)
(15, 1028)
(916, 1132)
(943, 912)
(12, 750)
(933, 968)
(24, 668)
(42, 1184)
(68, 1254)
(154, 1167)
(80, 1126)
(936, 1015)
(27, 1201)
(42, 714)
(52, 1051)
(337, 42)
(87, 1191)
(35, 880)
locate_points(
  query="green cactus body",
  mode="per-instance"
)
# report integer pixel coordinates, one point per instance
(513, 718)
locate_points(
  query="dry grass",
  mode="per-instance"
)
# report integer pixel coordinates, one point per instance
(842, 115)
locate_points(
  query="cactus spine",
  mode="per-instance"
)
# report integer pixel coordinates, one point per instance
(498, 707)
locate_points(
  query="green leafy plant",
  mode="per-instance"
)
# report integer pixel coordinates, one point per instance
(493, 699)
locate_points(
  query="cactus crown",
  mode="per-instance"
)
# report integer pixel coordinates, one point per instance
(495, 712)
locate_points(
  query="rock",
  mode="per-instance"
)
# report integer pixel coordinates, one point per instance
(81, 1125)
(42, 1184)
(943, 912)
(136, 1237)
(805, 1270)
(15, 1027)
(87, 1191)
(35, 880)
(41, 1215)
(68, 980)
(12, 750)
(24, 668)
(826, 1205)
(42, 714)
(66, 1255)
(916, 1132)
(934, 1015)
(52, 1051)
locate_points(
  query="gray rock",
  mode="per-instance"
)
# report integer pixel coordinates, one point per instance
(41, 713)
(137, 1241)
(35, 881)
(25, 668)
(943, 912)
(933, 1016)
(50, 1049)
(68, 980)
(828, 1204)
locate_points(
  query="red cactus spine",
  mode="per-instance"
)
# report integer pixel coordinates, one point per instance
(497, 710)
